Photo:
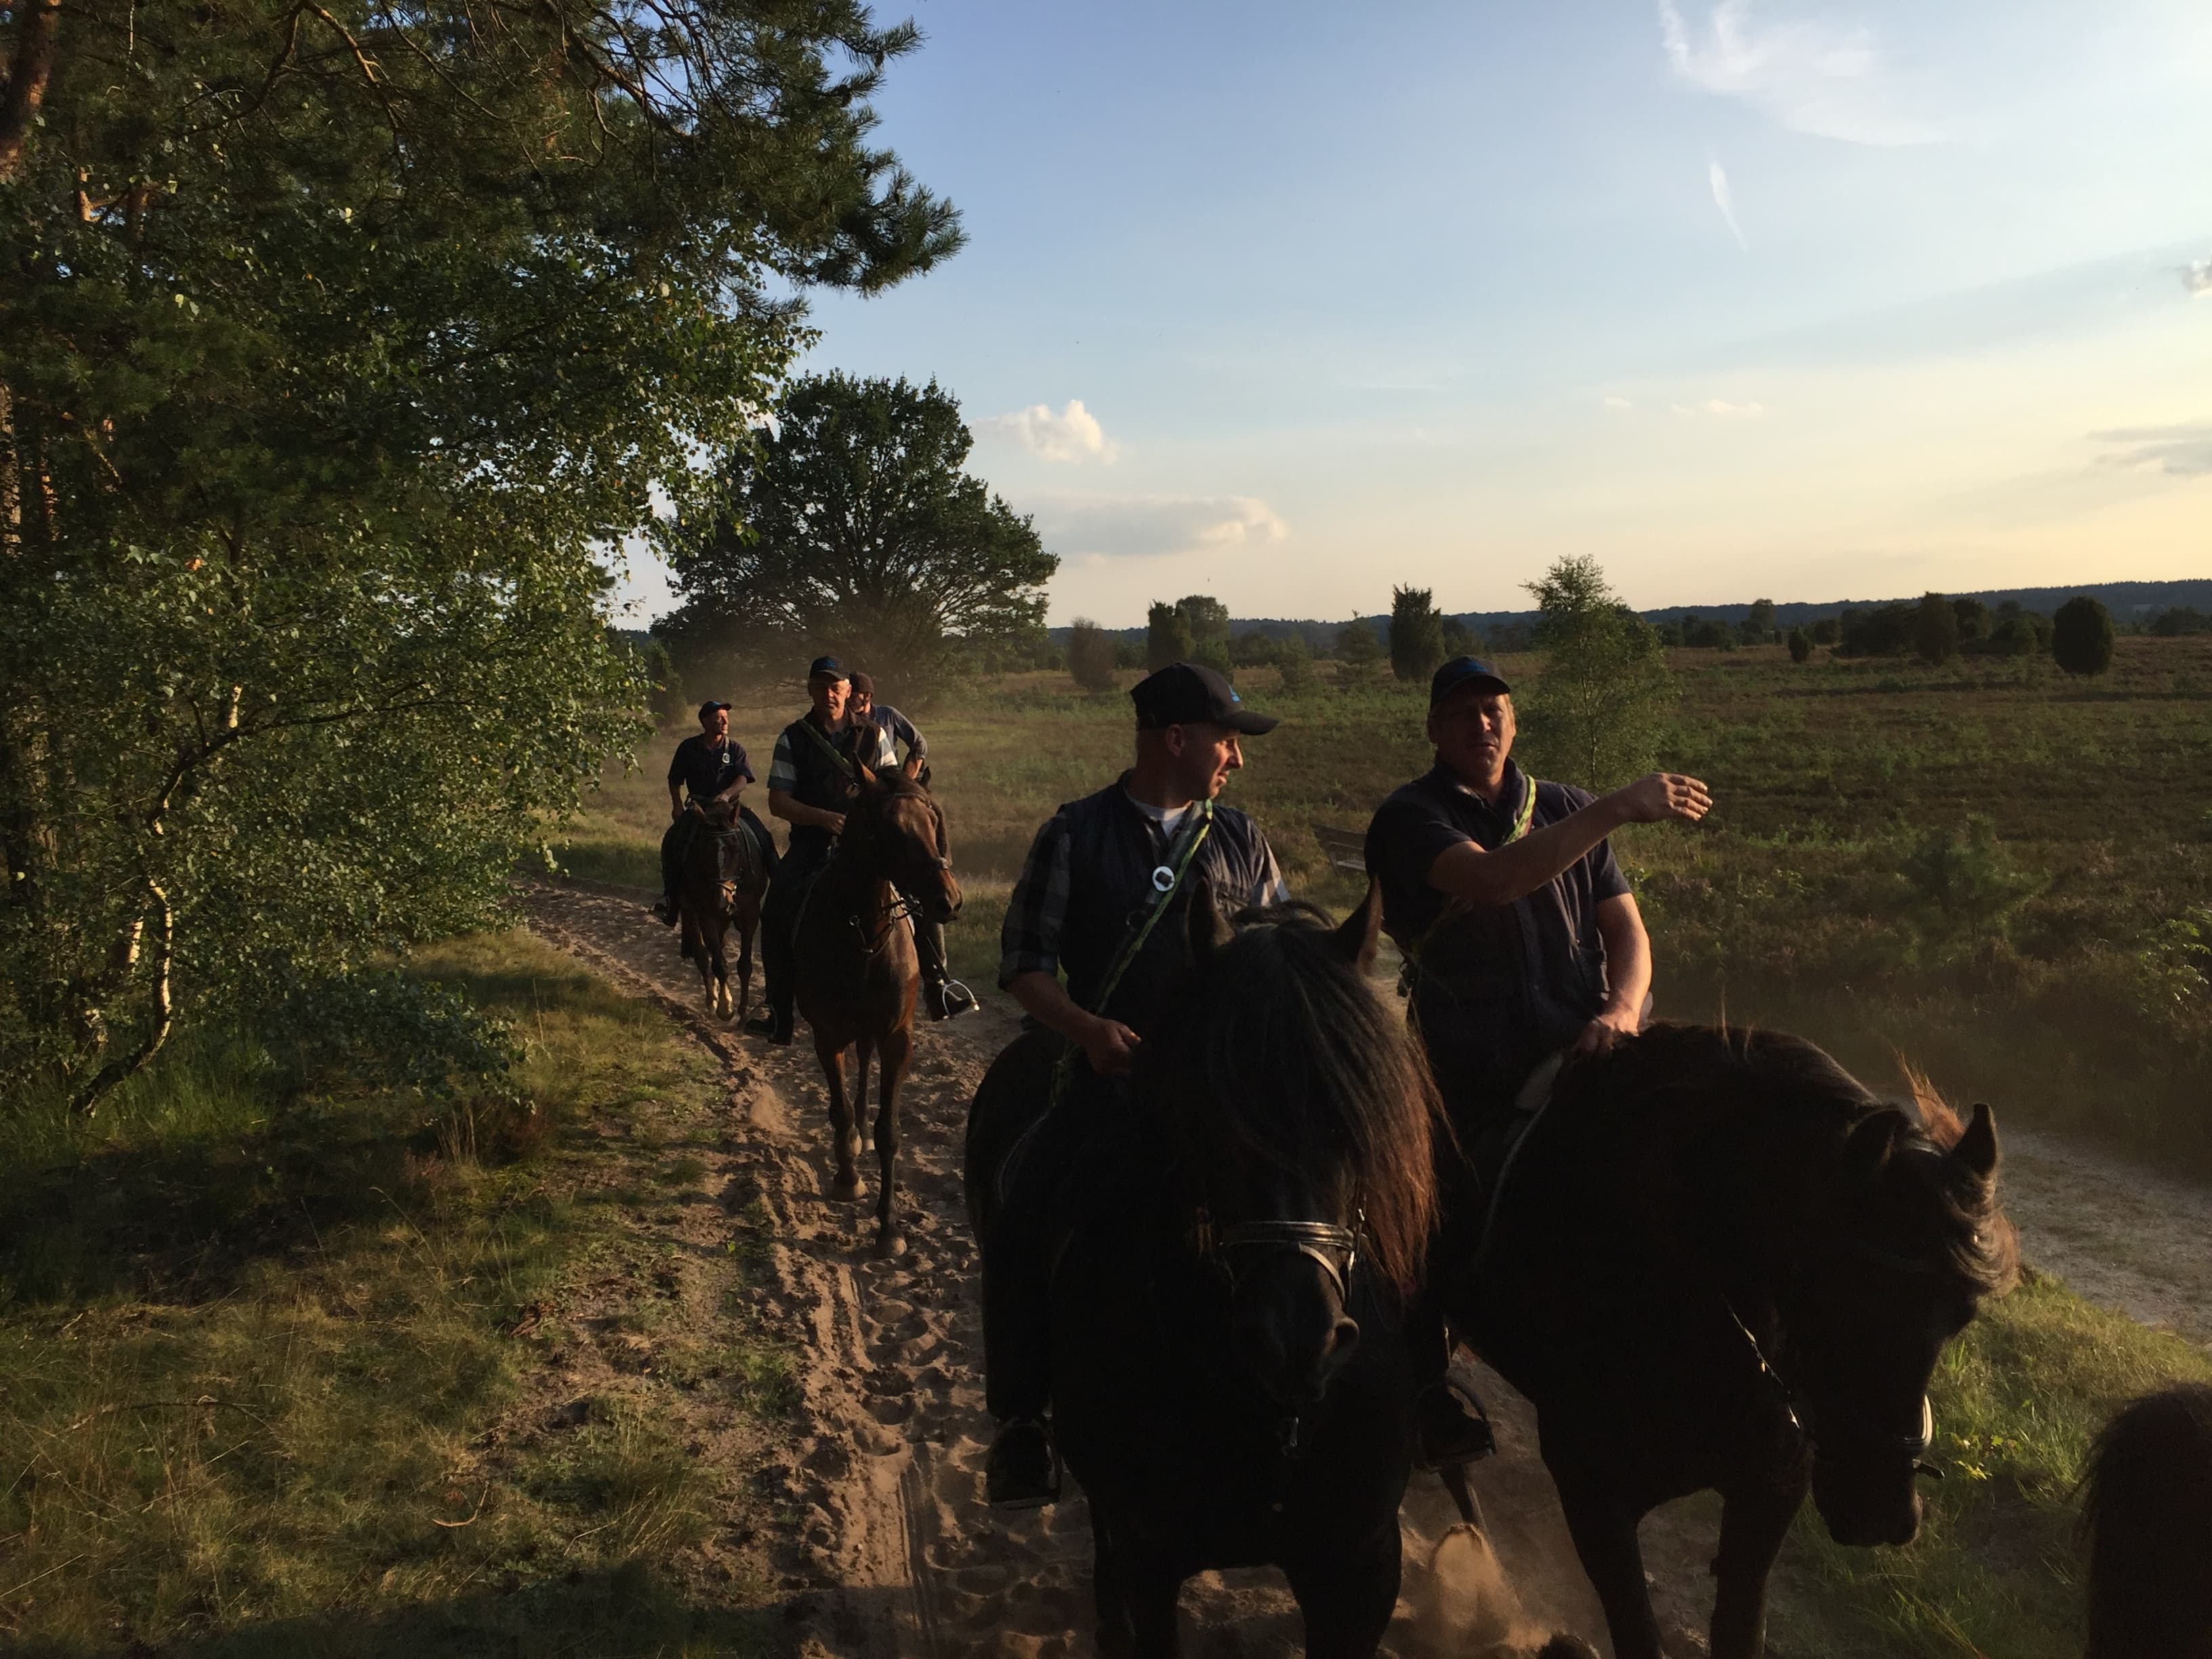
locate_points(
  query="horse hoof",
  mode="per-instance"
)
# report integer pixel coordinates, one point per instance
(848, 1191)
(888, 1245)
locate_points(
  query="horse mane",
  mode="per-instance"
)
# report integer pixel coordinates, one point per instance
(2147, 1509)
(1299, 1065)
(1764, 1070)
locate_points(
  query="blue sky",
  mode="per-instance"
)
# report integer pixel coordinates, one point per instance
(1290, 303)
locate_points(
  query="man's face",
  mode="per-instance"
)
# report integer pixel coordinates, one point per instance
(829, 696)
(716, 724)
(1473, 733)
(860, 703)
(1205, 755)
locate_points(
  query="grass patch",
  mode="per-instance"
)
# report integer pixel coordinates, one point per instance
(250, 1348)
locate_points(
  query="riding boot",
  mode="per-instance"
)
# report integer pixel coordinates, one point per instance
(944, 996)
(673, 842)
(1449, 1419)
(779, 919)
(1023, 1468)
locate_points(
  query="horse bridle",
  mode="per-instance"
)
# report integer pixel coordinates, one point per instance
(1334, 1249)
(1838, 1420)
(901, 907)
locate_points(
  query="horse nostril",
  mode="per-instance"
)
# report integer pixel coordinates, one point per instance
(1345, 1337)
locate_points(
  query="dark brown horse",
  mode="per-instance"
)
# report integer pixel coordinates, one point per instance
(1718, 1262)
(857, 972)
(1228, 1379)
(724, 876)
(2147, 1508)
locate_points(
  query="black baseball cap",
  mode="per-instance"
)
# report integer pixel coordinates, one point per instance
(1188, 694)
(825, 668)
(1460, 673)
(707, 708)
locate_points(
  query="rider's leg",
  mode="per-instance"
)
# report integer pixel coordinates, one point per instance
(778, 921)
(941, 995)
(767, 841)
(672, 864)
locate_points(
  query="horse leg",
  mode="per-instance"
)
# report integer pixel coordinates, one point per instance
(1136, 1602)
(1347, 1596)
(846, 1187)
(1604, 1531)
(748, 925)
(1753, 1522)
(694, 947)
(897, 1044)
(718, 944)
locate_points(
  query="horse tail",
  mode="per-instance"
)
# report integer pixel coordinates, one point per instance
(2147, 1507)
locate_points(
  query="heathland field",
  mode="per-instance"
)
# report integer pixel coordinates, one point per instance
(1993, 870)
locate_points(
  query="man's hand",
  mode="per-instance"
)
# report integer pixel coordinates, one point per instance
(1111, 1046)
(1662, 796)
(833, 821)
(1607, 1029)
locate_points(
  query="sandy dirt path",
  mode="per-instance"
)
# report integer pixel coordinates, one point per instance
(895, 1537)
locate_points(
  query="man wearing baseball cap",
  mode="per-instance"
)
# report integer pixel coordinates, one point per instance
(813, 776)
(711, 770)
(1521, 935)
(1092, 880)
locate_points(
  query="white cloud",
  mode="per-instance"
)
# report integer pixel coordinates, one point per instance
(1620, 405)
(2197, 278)
(1720, 408)
(2181, 452)
(1813, 75)
(1137, 525)
(1073, 435)
(1724, 199)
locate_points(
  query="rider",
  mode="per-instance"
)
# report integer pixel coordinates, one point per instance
(813, 778)
(1520, 932)
(943, 996)
(896, 726)
(712, 771)
(1093, 875)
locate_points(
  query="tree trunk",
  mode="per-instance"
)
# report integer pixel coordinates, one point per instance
(28, 75)
(88, 1099)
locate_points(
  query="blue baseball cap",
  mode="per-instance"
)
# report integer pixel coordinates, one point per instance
(1190, 694)
(709, 707)
(1460, 673)
(825, 668)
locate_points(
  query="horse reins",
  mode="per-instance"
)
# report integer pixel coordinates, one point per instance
(1854, 1423)
(899, 907)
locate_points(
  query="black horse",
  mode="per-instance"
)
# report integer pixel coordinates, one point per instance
(2147, 1508)
(1228, 1380)
(1718, 1262)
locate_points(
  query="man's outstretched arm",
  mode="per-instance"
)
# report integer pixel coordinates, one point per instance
(1467, 871)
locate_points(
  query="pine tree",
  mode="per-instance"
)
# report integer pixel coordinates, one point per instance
(1417, 633)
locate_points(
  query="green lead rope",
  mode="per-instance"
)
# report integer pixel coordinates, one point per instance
(1523, 814)
(1193, 837)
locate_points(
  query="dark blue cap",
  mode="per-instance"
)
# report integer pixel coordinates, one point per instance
(707, 708)
(825, 668)
(1191, 694)
(1460, 673)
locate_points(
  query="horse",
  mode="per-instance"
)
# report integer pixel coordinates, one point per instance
(1716, 1262)
(1227, 1379)
(2148, 1509)
(856, 972)
(722, 879)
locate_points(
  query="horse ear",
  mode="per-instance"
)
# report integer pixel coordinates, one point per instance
(1207, 929)
(1866, 1151)
(1361, 930)
(867, 774)
(1978, 1148)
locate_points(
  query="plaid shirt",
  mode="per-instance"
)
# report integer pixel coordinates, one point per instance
(1031, 938)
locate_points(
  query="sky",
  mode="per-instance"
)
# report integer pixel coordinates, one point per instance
(1290, 304)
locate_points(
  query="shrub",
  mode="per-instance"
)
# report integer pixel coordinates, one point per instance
(1827, 631)
(1169, 639)
(1417, 633)
(1090, 656)
(1252, 650)
(1356, 646)
(2179, 620)
(1598, 708)
(1801, 645)
(1294, 662)
(1961, 891)
(1935, 629)
(1973, 618)
(1887, 632)
(1214, 653)
(2015, 636)
(1459, 640)
(2081, 637)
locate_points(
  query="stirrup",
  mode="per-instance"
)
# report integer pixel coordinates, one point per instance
(951, 999)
